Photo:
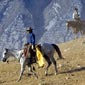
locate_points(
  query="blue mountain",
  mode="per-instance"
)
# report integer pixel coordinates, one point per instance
(46, 17)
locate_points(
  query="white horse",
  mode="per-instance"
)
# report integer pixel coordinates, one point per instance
(20, 56)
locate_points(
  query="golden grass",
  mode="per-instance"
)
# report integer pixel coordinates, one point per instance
(71, 69)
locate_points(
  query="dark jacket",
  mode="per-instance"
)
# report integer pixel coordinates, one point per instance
(31, 38)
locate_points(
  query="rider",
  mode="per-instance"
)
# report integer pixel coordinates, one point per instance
(76, 16)
(31, 41)
(31, 37)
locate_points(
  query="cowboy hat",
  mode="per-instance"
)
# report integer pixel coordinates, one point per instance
(30, 29)
(75, 8)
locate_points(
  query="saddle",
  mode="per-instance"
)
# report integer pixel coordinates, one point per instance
(34, 56)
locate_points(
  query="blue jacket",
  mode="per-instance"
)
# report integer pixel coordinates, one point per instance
(31, 38)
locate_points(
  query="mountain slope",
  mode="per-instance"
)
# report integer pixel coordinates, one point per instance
(71, 69)
(47, 17)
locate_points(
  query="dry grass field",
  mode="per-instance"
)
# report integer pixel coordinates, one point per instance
(71, 69)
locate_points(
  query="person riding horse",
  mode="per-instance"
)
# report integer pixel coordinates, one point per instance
(76, 16)
(29, 47)
(31, 37)
(29, 53)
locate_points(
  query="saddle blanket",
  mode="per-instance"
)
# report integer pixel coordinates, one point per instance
(40, 59)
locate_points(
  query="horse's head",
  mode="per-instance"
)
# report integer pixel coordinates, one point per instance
(5, 55)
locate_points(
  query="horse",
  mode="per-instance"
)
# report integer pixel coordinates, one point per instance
(48, 53)
(22, 59)
(46, 49)
(77, 26)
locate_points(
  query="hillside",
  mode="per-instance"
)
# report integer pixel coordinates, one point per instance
(71, 69)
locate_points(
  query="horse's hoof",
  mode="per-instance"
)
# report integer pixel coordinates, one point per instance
(56, 73)
(60, 58)
(36, 76)
(18, 80)
(46, 73)
(63, 58)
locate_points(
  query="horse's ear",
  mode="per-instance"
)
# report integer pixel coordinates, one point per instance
(6, 49)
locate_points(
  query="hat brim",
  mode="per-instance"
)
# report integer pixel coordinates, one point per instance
(29, 30)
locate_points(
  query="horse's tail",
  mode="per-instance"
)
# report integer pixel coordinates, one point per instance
(58, 51)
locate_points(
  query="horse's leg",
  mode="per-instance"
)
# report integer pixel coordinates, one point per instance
(66, 34)
(21, 73)
(29, 64)
(46, 71)
(83, 36)
(75, 34)
(23, 65)
(31, 70)
(49, 63)
(54, 63)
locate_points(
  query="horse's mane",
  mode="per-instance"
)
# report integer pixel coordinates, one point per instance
(13, 52)
(10, 49)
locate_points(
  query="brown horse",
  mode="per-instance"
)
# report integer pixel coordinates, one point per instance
(76, 26)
